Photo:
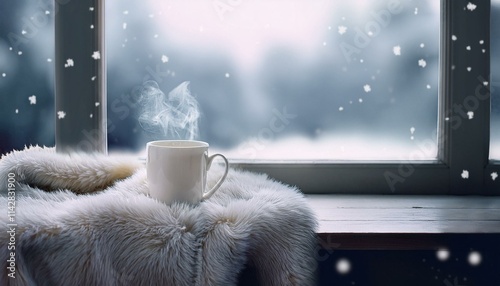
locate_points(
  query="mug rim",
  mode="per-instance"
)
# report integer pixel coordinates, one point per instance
(178, 144)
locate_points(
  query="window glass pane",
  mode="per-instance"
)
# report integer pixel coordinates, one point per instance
(26, 74)
(280, 79)
(276, 79)
(495, 80)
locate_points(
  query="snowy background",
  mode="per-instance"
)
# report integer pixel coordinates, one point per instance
(271, 79)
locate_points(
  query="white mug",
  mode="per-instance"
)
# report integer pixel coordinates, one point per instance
(177, 170)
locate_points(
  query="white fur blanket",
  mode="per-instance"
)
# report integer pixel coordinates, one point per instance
(87, 220)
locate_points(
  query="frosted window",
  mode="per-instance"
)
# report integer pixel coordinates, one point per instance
(284, 79)
(495, 80)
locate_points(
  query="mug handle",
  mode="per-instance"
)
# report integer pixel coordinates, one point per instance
(217, 185)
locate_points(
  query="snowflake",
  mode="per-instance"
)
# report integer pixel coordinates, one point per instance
(17, 111)
(367, 88)
(47, 12)
(125, 12)
(91, 26)
(416, 11)
(61, 114)
(422, 45)
(422, 63)
(494, 176)
(454, 38)
(91, 115)
(481, 42)
(91, 8)
(469, 69)
(23, 32)
(49, 60)
(164, 59)
(227, 75)
(20, 53)
(360, 100)
(396, 50)
(96, 55)
(474, 258)
(155, 36)
(470, 114)
(428, 86)
(32, 99)
(124, 25)
(485, 83)
(4, 74)
(412, 130)
(467, 48)
(443, 254)
(97, 104)
(343, 266)
(471, 6)
(341, 108)
(465, 174)
(69, 63)
(342, 30)
(93, 78)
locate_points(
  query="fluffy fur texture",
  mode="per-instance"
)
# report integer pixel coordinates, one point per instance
(94, 224)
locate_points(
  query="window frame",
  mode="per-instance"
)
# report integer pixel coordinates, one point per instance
(463, 144)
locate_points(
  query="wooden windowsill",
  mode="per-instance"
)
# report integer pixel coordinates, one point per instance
(404, 222)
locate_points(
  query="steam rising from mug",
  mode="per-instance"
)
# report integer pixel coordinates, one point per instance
(174, 116)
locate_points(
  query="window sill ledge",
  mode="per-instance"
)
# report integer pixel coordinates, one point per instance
(404, 222)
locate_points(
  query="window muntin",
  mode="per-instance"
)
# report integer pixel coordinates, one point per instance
(495, 81)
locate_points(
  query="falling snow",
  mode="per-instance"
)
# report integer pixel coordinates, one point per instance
(96, 55)
(412, 130)
(227, 75)
(124, 25)
(422, 63)
(23, 32)
(494, 176)
(341, 108)
(164, 59)
(20, 53)
(91, 8)
(91, 115)
(49, 60)
(471, 6)
(125, 12)
(443, 254)
(467, 48)
(416, 11)
(343, 266)
(4, 74)
(469, 69)
(342, 30)
(422, 45)
(396, 50)
(485, 83)
(481, 42)
(474, 258)
(367, 88)
(17, 111)
(91, 26)
(470, 114)
(97, 104)
(465, 174)
(32, 99)
(69, 63)
(360, 100)
(428, 86)
(93, 78)
(61, 114)
(454, 38)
